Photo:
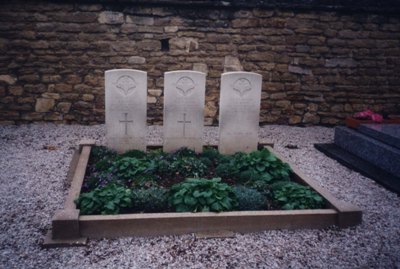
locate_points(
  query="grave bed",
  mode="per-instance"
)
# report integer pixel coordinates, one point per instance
(71, 229)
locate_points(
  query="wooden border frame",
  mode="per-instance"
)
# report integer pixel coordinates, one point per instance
(354, 123)
(69, 228)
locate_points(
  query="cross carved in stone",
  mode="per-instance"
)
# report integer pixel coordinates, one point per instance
(184, 121)
(126, 121)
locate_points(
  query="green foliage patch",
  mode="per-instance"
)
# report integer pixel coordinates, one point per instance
(108, 200)
(202, 195)
(249, 199)
(153, 199)
(291, 195)
(185, 181)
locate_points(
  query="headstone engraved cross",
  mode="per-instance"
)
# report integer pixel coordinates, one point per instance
(126, 105)
(126, 121)
(184, 121)
(184, 96)
(239, 112)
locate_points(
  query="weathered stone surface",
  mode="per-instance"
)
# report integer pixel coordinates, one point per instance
(171, 29)
(231, 64)
(51, 78)
(62, 88)
(201, 67)
(299, 70)
(140, 20)
(126, 109)
(23, 100)
(184, 43)
(210, 110)
(184, 96)
(3, 91)
(55, 116)
(244, 23)
(32, 116)
(29, 78)
(155, 92)
(151, 100)
(278, 96)
(8, 79)
(51, 95)
(111, 17)
(340, 62)
(15, 90)
(77, 17)
(149, 45)
(64, 107)
(88, 97)
(136, 60)
(311, 118)
(239, 112)
(294, 119)
(305, 56)
(44, 104)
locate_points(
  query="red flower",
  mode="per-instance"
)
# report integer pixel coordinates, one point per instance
(369, 115)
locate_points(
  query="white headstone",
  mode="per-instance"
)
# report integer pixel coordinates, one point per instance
(126, 109)
(184, 96)
(239, 113)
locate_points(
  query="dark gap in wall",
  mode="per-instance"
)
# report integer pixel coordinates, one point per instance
(165, 44)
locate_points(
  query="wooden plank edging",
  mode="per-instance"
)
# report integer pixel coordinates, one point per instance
(65, 223)
(68, 224)
(157, 224)
(348, 214)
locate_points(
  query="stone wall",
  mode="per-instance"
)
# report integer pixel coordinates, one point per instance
(319, 63)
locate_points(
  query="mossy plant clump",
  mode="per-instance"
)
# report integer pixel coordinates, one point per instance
(185, 181)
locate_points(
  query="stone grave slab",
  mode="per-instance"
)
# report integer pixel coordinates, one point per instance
(239, 113)
(387, 133)
(367, 148)
(126, 109)
(184, 96)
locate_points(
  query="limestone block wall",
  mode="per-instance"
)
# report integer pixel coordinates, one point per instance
(319, 63)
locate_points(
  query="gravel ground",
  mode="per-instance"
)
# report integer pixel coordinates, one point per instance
(34, 161)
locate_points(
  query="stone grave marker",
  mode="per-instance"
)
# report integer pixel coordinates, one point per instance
(126, 109)
(387, 133)
(184, 96)
(239, 112)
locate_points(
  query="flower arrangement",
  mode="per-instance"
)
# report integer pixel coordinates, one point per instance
(369, 115)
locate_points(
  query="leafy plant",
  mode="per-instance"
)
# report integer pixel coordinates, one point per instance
(144, 181)
(108, 200)
(134, 153)
(290, 195)
(202, 195)
(98, 180)
(153, 199)
(227, 169)
(211, 156)
(161, 167)
(127, 168)
(249, 199)
(103, 165)
(258, 168)
(188, 167)
(99, 153)
(183, 152)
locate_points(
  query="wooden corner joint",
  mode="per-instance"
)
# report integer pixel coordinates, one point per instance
(65, 224)
(86, 142)
(348, 215)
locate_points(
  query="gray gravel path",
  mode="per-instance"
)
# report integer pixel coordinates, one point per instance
(32, 188)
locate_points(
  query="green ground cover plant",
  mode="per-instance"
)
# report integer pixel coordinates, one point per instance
(185, 181)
